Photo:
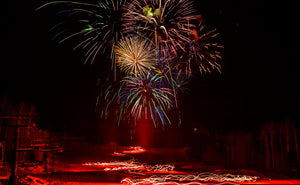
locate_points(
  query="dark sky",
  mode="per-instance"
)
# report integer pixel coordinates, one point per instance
(257, 84)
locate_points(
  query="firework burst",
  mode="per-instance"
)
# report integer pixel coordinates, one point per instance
(204, 52)
(135, 56)
(207, 50)
(97, 26)
(166, 22)
(146, 96)
(156, 44)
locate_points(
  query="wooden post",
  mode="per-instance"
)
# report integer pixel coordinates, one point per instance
(12, 178)
(46, 156)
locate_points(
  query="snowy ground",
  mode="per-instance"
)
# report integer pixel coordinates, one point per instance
(84, 163)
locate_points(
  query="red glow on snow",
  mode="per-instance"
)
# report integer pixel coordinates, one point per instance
(84, 170)
(128, 181)
(187, 167)
(85, 183)
(165, 172)
(134, 150)
(290, 181)
(92, 183)
(38, 180)
(118, 154)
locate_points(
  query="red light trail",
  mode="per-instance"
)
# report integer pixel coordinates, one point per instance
(188, 179)
(134, 150)
(137, 173)
(164, 174)
(131, 166)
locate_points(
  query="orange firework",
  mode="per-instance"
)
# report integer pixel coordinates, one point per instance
(135, 56)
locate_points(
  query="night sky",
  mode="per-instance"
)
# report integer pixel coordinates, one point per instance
(257, 84)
